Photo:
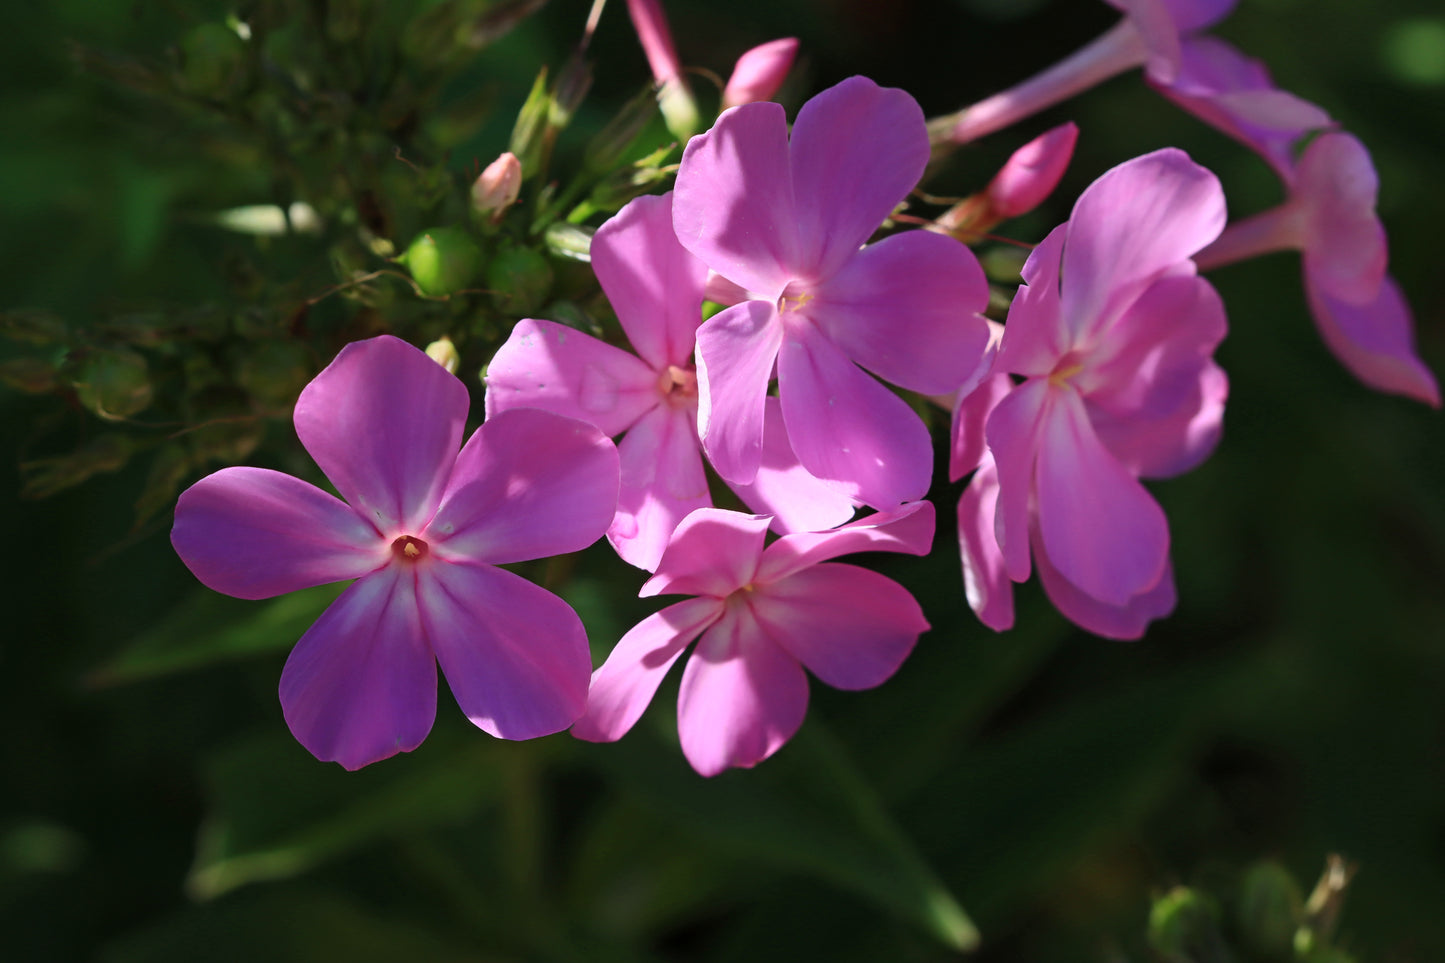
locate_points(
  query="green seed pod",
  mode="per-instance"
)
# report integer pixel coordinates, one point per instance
(519, 278)
(114, 384)
(443, 260)
(1270, 910)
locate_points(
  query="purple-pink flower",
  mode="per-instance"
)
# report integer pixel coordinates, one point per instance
(422, 530)
(1114, 334)
(656, 289)
(763, 614)
(785, 220)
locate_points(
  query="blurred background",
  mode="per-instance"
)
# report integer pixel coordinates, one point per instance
(1056, 784)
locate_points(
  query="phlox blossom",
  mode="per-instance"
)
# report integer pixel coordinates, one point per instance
(422, 530)
(763, 614)
(656, 289)
(1113, 334)
(784, 219)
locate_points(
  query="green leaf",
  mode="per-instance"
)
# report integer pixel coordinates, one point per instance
(211, 628)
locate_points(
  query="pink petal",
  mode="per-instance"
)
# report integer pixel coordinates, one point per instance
(384, 422)
(908, 309)
(650, 23)
(784, 489)
(736, 349)
(850, 627)
(361, 684)
(1134, 223)
(1376, 341)
(986, 584)
(968, 446)
(1032, 172)
(1127, 621)
(857, 150)
(1161, 442)
(849, 429)
(1344, 252)
(733, 203)
(760, 72)
(741, 697)
(514, 654)
(908, 530)
(1160, 32)
(713, 552)
(559, 369)
(1034, 339)
(653, 284)
(1103, 531)
(1013, 433)
(627, 681)
(527, 485)
(255, 533)
(662, 481)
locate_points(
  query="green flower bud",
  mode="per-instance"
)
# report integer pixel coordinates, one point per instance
(444, 353)
(1184, 927)
(519, 278)
(443, 260)
(114, 384)
(1270, 910)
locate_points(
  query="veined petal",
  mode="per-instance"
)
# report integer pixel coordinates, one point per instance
(907, 530)
(850, 627)
(559, 369)
(986, 584)
(1127, 621)
(627, 681)
(849, 429)
(733, 203)
(741, 697)
(736, 350)
(1376, 341)
(857, 150)
(713, 552)
(514, 654)
(1132, 224)
(255, 533)
(909, 309)
(784, 489)
(527, 485)
(361, 684)
(1103, 531)
(662, 481)
(652, 282)
(1013, 432)
(384, 423)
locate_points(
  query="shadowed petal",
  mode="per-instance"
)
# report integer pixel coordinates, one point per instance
(1376, 341)
(384, 422)
(255, 533)
(652, 282)
(1161, 442)
(986, 584)
(909, 310)
(662, 481)
(968, 447)
(528, 484)
(733, 203)
(784, 489)
(1127, 621)
(559, 369)
(1103, 531)
(625, 684)
(849, 429)
(1345, 253)
(361, 684)
(1013, 437)
(908, 530)
(1034, 338)
(857, 150)
(736, 349)
(514, 654)
(850, 627)
(713, 552)
(741, 697)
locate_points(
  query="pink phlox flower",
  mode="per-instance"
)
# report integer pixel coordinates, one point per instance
(784, 220)
(763, 614)
(1032, 172)
(1162, 26)
(759, 72)
(422, 530)
(650, 398)
(1113, 334)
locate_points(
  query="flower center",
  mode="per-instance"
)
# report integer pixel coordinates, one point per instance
(409, 548)
(794, 298)
(678, 385)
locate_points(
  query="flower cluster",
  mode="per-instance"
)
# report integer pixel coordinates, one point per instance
(791, 389)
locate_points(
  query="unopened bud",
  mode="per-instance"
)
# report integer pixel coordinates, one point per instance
(529, 133)
(498, 186)
(443, 260)
(520, 279)
(679, 110)
(114, 384)
(760, 72)
(1033, 172)
(444, 353)
(1184, 926)
(1270, 910)
(569, 241)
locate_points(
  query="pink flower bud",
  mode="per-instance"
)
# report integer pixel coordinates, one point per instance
(1032, 172)
(760, 72)
(674, 99)
(497, 187)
